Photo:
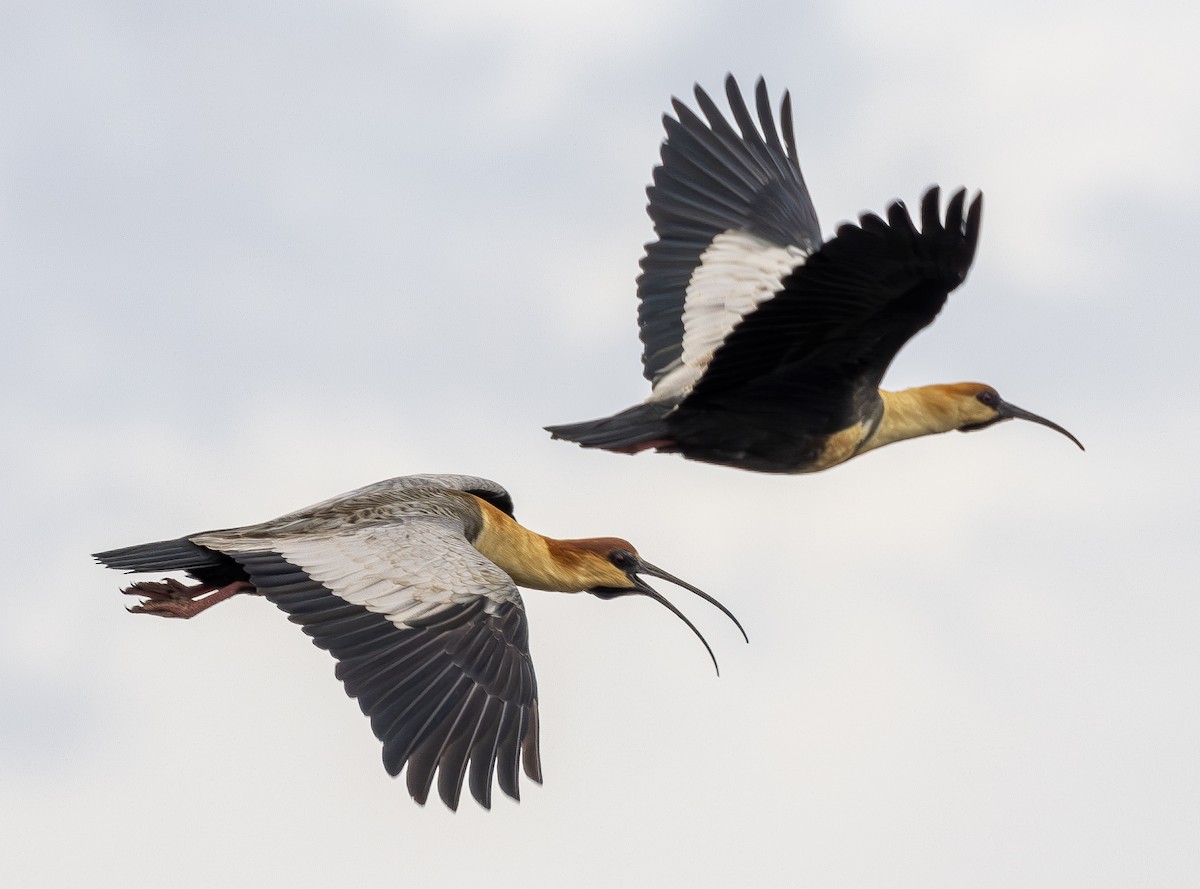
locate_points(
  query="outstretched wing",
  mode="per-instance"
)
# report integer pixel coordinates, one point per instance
(840, 318)
(429, 636)
(733, 218)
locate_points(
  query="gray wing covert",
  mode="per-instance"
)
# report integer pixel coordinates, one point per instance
(484, 488)
(430, 637)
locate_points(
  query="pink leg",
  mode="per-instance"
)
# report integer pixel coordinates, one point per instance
(174, 599)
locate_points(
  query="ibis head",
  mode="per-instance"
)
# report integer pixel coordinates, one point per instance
(625, 579)
(980, 406)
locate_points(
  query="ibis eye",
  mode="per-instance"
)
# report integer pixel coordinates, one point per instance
(622, 559)
(988, 397)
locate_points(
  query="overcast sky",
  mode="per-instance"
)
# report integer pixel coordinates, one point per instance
(253, 255)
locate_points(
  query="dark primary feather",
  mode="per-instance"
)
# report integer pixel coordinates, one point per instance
(840, 318)
(452, 693)
(714, 179)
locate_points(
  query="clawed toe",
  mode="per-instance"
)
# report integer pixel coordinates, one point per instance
(170, 598)
(167, 598)
(166, 607)
(168, 589)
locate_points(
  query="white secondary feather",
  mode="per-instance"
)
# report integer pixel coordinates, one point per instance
(403, 571)
(738, 271)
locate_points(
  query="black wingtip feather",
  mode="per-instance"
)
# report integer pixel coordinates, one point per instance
(716, 120)
(483, 752)
(868, 222)
(531, 744)
(930, 217)
(930, 202)
(741, 115)
(974, 218)
(508, 751)
(426, 757)
(405, 722)
(419, 722)
(901, 223)
(455, 754)
(789, 133)
(766, 117)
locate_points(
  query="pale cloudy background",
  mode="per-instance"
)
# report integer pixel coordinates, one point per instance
(254, 254)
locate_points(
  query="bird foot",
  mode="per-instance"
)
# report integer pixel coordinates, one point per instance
(170, 598)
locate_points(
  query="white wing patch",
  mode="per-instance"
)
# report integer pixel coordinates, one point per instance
(738, 271)
(412, 569)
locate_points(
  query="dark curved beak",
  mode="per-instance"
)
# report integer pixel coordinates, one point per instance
(1008, 411)
(644, 589)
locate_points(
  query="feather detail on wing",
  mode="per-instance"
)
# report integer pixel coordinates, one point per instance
(429, 635)
(840, 319)
(733, 217)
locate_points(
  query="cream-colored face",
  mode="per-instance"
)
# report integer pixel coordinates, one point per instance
(600, 562)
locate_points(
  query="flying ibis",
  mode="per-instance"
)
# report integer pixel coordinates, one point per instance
(764, 345)
(411, 584)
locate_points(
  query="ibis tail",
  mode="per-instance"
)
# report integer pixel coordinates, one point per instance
(634, 429)
(169, 555)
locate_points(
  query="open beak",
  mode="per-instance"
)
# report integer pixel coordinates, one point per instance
(1008, 411)
(644, 589)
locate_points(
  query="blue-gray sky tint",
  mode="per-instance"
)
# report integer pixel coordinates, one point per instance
(253, 255)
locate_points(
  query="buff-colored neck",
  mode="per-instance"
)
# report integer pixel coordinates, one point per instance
(543, 563)
(923, 410)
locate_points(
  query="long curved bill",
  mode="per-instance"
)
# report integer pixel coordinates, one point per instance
(1012, 412)
(643, 588)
